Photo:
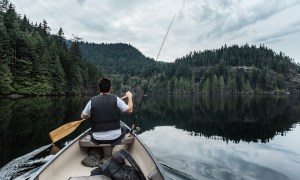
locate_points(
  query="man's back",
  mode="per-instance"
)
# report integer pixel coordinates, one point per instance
(105, 114)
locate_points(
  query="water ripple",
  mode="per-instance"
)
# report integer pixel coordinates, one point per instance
(15, 167)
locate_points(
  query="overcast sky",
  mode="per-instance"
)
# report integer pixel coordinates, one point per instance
(198, 25)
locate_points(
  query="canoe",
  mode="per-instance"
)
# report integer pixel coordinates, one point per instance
(67, 163)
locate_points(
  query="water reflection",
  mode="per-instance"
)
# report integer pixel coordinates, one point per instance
(203, 158)
(220, 132)
(25, 123)
(231, 118)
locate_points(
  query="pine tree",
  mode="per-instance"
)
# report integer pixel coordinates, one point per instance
(215, 85)
(248, 88)
(46, 28)
(6, 79)
(56, 70)
(73, 70)
(221, 85)
(231, 85)
(61, 39)
(10, 22)
(206, 86)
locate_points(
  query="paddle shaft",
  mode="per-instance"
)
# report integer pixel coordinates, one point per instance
(124, 97)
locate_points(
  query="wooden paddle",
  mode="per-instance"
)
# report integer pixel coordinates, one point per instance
(66, 129)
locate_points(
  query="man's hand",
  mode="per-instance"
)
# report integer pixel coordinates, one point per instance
(129, 94)
(84, 116)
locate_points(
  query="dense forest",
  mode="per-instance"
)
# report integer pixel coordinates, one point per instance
(117, 58)
(234, 70)
(228, 70)
(35, 62)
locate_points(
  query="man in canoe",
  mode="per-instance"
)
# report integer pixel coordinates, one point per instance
(104, 112)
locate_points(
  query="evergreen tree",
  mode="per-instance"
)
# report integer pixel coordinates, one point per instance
(61, 39)
(6, 79)
(206, 86)
(231, 84)
(221, 85)
(57, 75)
(248, 88)
(5, 73)
(74, 78)
(267, 79)
(215, 85)
(10, 22)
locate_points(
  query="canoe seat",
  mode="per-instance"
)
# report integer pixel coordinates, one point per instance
(87, 142)
(107, 148)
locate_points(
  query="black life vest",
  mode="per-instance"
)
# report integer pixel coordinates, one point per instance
(105, 114)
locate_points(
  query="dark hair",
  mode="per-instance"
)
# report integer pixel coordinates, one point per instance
(104, 85)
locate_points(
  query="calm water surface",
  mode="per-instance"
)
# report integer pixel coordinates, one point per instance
(194, 137)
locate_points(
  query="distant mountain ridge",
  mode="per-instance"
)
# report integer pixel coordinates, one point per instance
(227, 70)
(119, 58)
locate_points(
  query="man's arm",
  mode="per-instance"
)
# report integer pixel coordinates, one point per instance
(87, 111)
(130, 103)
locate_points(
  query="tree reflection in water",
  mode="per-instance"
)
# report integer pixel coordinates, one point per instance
(25, 123)
(231, 118)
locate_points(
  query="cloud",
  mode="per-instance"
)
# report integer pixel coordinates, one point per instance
(277, 36)
(199, 24)
(81, 2)
(223, 17)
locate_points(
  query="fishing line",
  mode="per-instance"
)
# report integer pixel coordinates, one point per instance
(138, 111)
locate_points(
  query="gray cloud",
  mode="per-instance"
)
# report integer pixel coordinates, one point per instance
(199, 24)
(81, 2)
(277, 37)
(228, 17)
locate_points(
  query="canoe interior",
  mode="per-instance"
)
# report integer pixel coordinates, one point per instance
(67, 163)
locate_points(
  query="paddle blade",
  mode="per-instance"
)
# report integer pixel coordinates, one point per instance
(63, 130)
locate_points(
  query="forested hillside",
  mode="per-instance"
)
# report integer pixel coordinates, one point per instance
(124, 64)
(234, 70)
(34, 62)
(117, 58)
(228, 70)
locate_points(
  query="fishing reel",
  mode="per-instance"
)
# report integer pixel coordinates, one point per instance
(137, 130)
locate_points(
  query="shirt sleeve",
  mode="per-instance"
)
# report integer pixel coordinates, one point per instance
(122, 105)
(87, 109)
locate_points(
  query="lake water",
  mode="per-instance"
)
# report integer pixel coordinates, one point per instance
(194, 137)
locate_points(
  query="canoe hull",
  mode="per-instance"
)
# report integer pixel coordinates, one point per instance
(67, 162)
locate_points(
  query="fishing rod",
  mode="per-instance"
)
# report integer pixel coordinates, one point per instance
(138, 112)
